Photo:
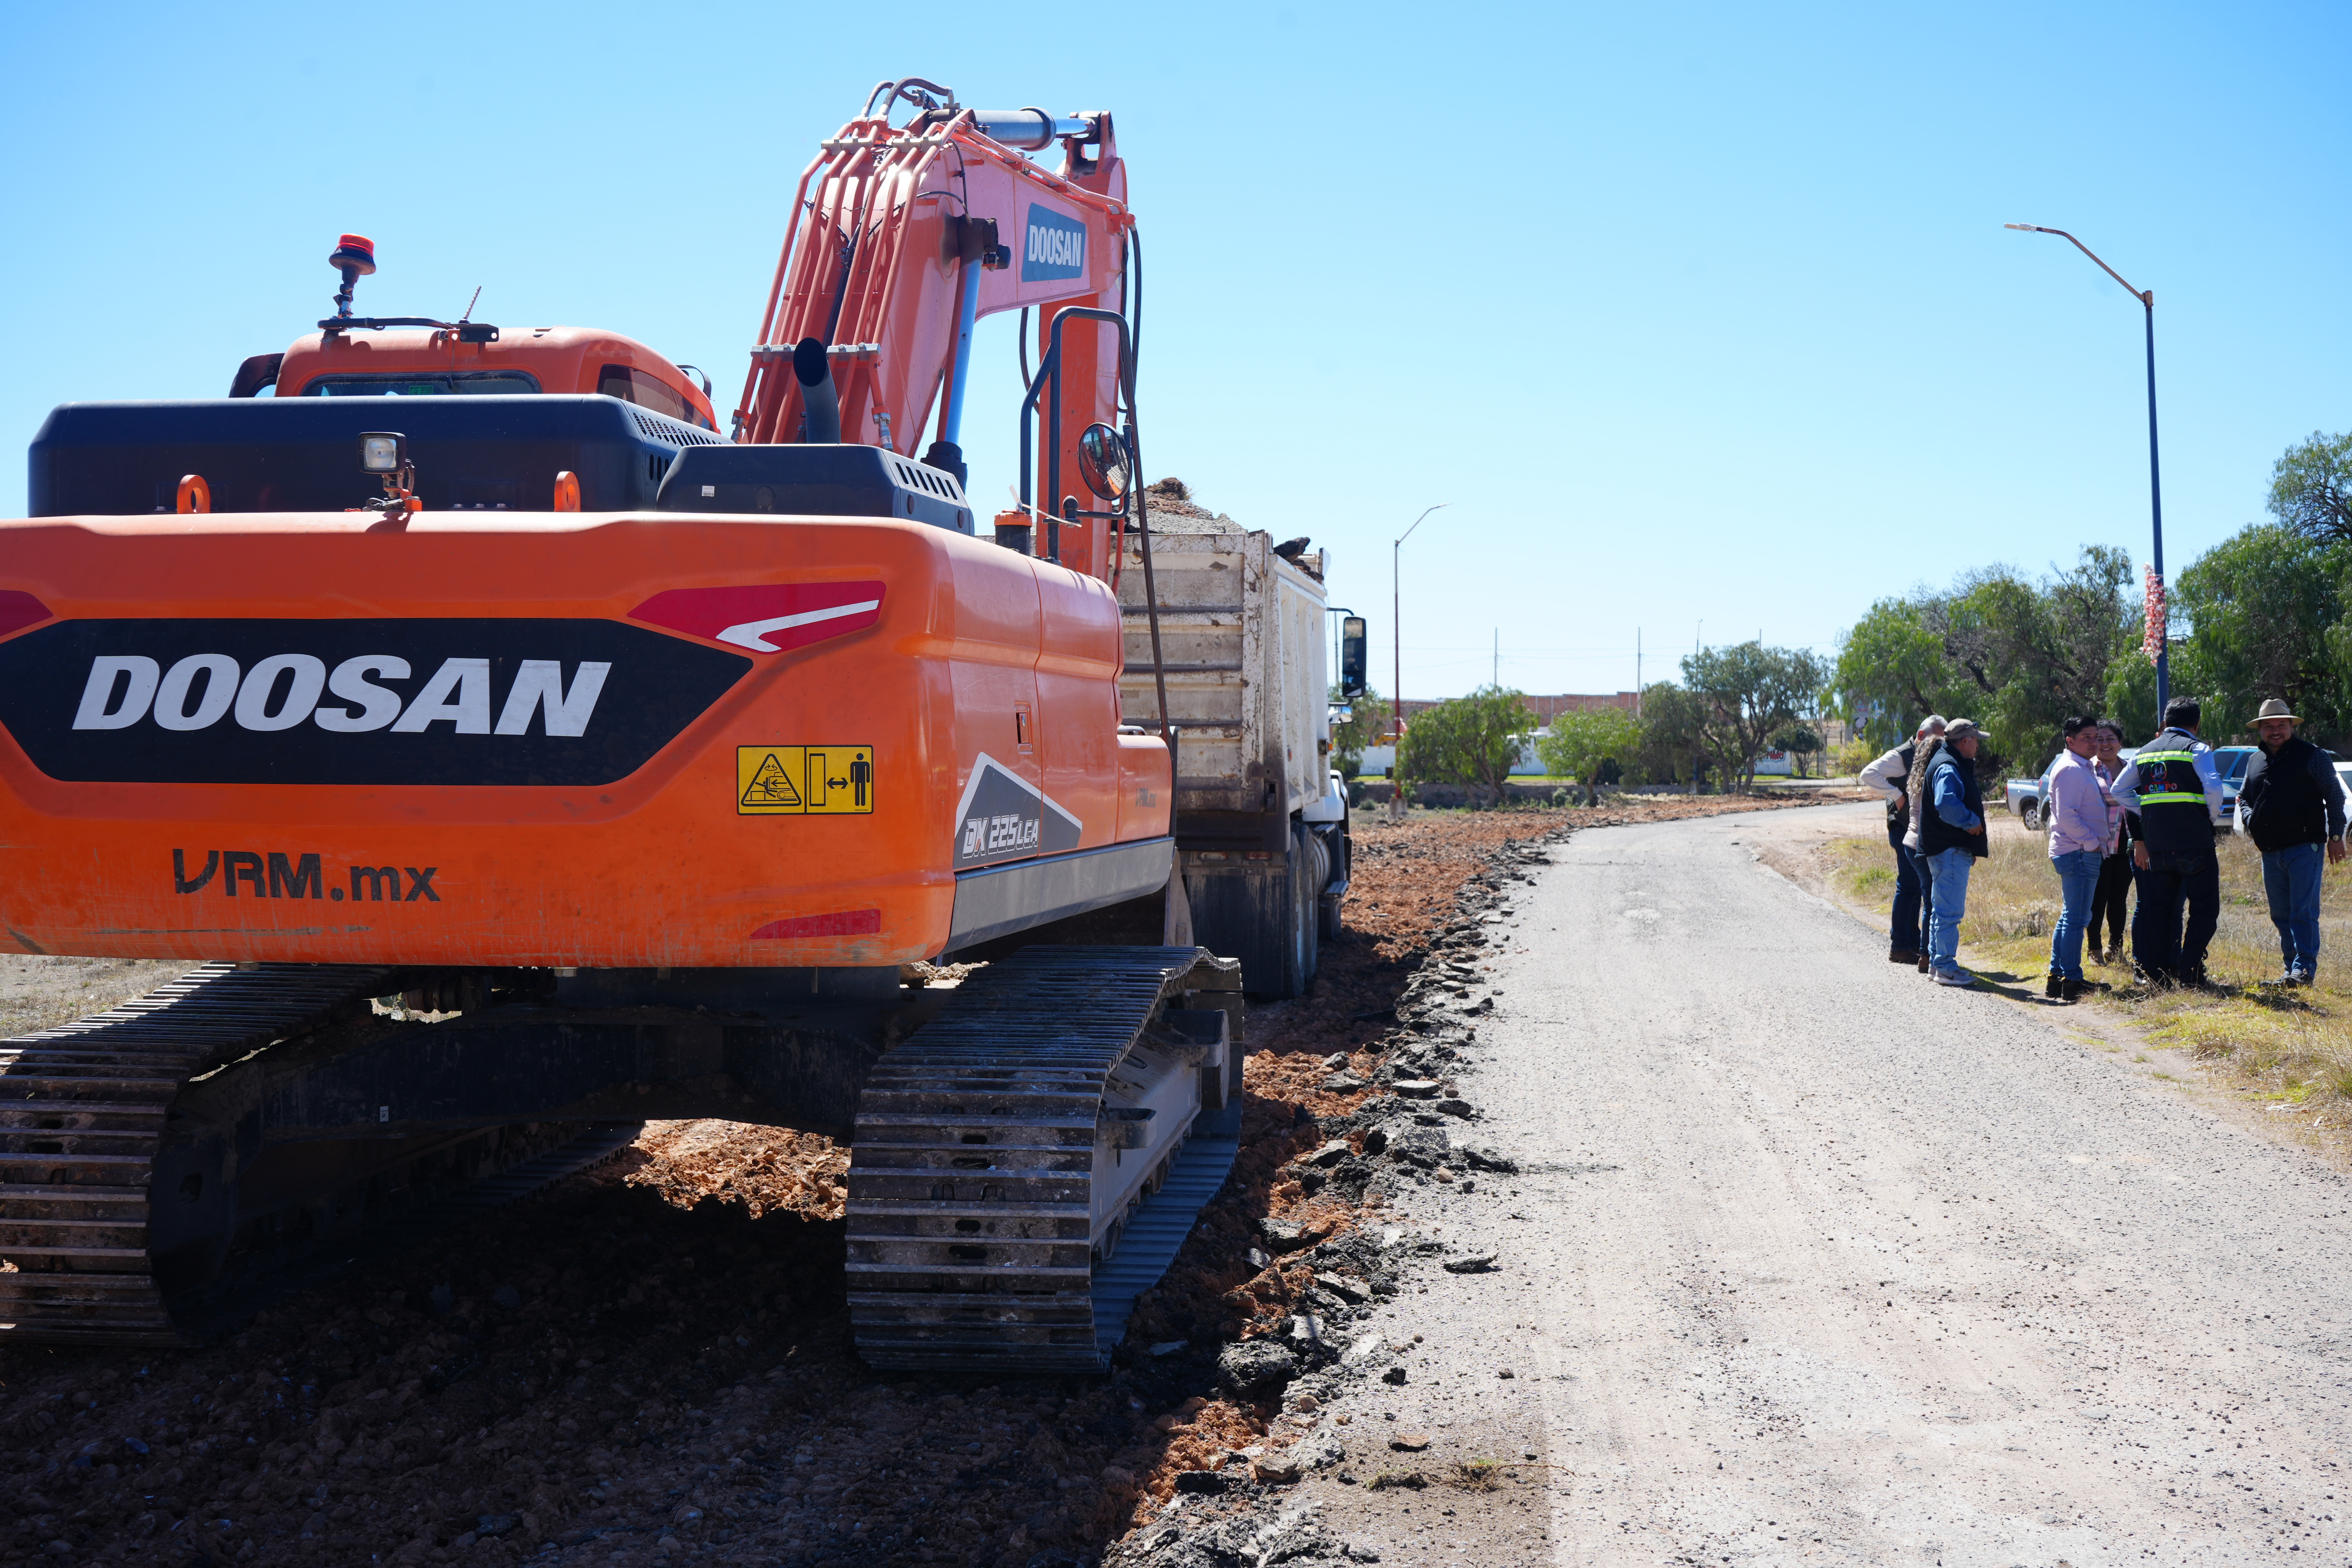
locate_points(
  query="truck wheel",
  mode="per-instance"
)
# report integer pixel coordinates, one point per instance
(1306, 902)
(2030, 814)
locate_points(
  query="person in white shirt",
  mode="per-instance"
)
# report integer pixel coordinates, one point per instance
(1889, 776)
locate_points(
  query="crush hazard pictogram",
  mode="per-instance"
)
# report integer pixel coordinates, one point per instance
(803, 781)
(770, 789)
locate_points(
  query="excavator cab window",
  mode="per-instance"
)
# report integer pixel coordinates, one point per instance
(632, 386)
(424, 384)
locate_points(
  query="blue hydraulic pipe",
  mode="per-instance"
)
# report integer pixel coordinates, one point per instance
(967, 311)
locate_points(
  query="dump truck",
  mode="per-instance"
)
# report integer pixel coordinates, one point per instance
(1261, 817)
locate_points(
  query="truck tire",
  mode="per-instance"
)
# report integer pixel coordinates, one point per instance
(2030, 814)
(1302, 950)
(1326, 908)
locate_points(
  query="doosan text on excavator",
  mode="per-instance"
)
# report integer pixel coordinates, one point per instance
(527, 755)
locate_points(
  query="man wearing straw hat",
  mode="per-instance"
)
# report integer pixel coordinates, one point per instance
(2292, 805)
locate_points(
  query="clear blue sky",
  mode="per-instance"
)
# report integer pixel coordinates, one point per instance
(1693, 313)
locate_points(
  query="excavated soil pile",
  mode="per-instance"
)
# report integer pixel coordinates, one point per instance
(652, 1364)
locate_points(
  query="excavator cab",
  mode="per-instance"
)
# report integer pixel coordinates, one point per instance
(413, 356)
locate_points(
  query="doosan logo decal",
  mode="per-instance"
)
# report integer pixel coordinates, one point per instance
(284, 690)
(415, 701)
(1056, 246)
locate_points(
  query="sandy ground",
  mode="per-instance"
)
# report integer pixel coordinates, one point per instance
(1811, 1261)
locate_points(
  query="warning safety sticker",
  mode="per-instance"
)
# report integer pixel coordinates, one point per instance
(803, 781)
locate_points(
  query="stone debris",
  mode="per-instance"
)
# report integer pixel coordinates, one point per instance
(1288, 1236)
(1275, 1469)
(1256, 1362)
(1483, 1263)
(1408, 1441)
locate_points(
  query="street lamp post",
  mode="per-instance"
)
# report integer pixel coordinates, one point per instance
(2147, 299)
(1396, 631)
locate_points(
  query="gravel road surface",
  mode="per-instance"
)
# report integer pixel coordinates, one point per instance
(1809, 1261)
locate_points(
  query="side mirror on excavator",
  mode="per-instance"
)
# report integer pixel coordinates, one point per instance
(1103, 461)
(1351, 656)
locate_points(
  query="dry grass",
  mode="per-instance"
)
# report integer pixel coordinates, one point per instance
(2292, 1048)
(1477, 1475)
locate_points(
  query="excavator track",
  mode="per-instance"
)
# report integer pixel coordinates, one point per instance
(972, 1215)
(82, 1112)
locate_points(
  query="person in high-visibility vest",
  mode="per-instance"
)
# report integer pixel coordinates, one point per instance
(2172, 783)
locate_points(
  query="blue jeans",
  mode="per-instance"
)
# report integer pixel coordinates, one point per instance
(2078, 877)
(1948, 900)
(1909, 929)
(2291, 878)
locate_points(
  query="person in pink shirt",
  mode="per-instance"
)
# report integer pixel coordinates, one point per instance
(2076, 804)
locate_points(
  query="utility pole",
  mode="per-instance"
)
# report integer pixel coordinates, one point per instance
(1698, 646)
(2146, 298)
(1497, 678)
(1637, 672)
(1396, 627)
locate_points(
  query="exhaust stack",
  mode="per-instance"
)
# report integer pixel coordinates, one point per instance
(815, 373)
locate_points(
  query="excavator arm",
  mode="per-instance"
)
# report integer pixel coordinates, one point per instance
(902, 238)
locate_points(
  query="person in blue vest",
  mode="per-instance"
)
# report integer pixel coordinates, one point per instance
(2292, 805)
(2171, 783)
(1950, 811)
(1907, 939)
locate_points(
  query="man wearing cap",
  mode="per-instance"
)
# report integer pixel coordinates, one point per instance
(1950, 810)
(2171, 782)
(2290, 804)
(1907, 939)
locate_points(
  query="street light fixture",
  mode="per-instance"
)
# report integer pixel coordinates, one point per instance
(2147, 299)
(1396, 630)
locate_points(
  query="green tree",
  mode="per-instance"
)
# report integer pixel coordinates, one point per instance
(1892, 672)
(1465, 739)
(2017, 656)
(1581, 744)
(1673, 734)
(1796, 741)
(2261, 607)
(2311, 488)
(1368, 719)
(1748, 691)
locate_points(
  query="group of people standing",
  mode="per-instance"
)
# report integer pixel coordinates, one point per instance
(2149, 821)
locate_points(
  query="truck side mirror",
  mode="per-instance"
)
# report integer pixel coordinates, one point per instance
(1351, 656)
(1103, 461)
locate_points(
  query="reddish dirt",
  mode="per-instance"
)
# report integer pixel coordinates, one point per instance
(652, 1363)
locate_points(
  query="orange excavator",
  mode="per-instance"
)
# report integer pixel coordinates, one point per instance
(529, 757)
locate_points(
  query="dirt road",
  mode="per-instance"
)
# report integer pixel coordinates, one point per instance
(1811, 1261)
